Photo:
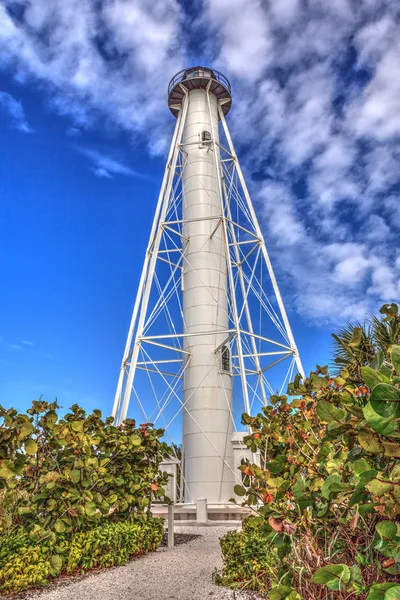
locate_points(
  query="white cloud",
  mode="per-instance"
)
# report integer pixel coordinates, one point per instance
(11, 110)
(316, 104)
(107, 60)
(106, 166)
(240, 31)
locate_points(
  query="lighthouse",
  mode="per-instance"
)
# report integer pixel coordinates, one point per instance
(209, 322)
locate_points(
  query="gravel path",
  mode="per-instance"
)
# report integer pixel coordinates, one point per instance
(182, 573)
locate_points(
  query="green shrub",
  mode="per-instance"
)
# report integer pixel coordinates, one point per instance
(24, 563)
(66, 475)
(249, 561)
(329, 485)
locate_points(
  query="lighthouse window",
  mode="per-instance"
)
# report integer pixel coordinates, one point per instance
(225, 360)
(205, 136)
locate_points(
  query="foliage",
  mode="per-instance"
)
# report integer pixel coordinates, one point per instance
(74, 492)
(328, 487)
(64, 475)
(249, 562)
(24, 562)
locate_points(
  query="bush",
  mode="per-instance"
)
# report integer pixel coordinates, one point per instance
(65, 475)
(74, 492)
(249, 561)
(329, 485)
(24, 562)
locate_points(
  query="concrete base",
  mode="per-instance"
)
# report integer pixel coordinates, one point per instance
(187, 512)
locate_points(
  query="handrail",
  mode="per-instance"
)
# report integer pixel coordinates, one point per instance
(191, 74)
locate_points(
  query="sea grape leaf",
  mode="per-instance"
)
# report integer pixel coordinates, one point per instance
(378, 423)
(59, 526)
(239, 490)
(372, 377)
(328, 413)
(369, 442)
(56, 562)
(395, 354)
(333, 576)
(281, 592)
(31, 447)
(75, 475)
(385, 400)
(26, 429)
(387, 529)
(378, 591)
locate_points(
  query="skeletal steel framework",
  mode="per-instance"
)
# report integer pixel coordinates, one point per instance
(255, 341)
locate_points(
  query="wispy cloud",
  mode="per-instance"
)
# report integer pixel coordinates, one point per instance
(11, 110)
(111, 60)
(16, 347)
(106, 166)
(27, 343)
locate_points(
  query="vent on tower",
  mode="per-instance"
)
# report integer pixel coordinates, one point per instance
(205, 138)
(225, 360)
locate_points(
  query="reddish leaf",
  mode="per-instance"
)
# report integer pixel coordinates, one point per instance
(388, 563)
(276, 524)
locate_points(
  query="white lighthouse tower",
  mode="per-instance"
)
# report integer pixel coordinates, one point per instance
(209, 323)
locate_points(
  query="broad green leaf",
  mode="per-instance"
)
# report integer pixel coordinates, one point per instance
(25, 510)
(239, 490)
(369, 442)
(277, 465)
(360, 466)
(372, 377)
(51, 417)
(26, 429)
(378, 423)
(393, 593)
(77, 426)
(136, 440)
(31, 447)
(386, 529)
(90, 509)
(396, 358)
(356, 578)
(329, 413)
(333, 576)
(385, 400)
(378, 591)
(59, 526)
(379, 488)
(363, 509)
(75, 475)
(281, 592)
(367, 476)
(6, 472)
(56, 562)
(339, 486)
(325, 490)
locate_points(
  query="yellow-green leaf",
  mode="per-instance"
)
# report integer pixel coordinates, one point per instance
(31, 447)
(369, 442)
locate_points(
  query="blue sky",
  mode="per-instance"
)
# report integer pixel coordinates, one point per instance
(84, 128)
